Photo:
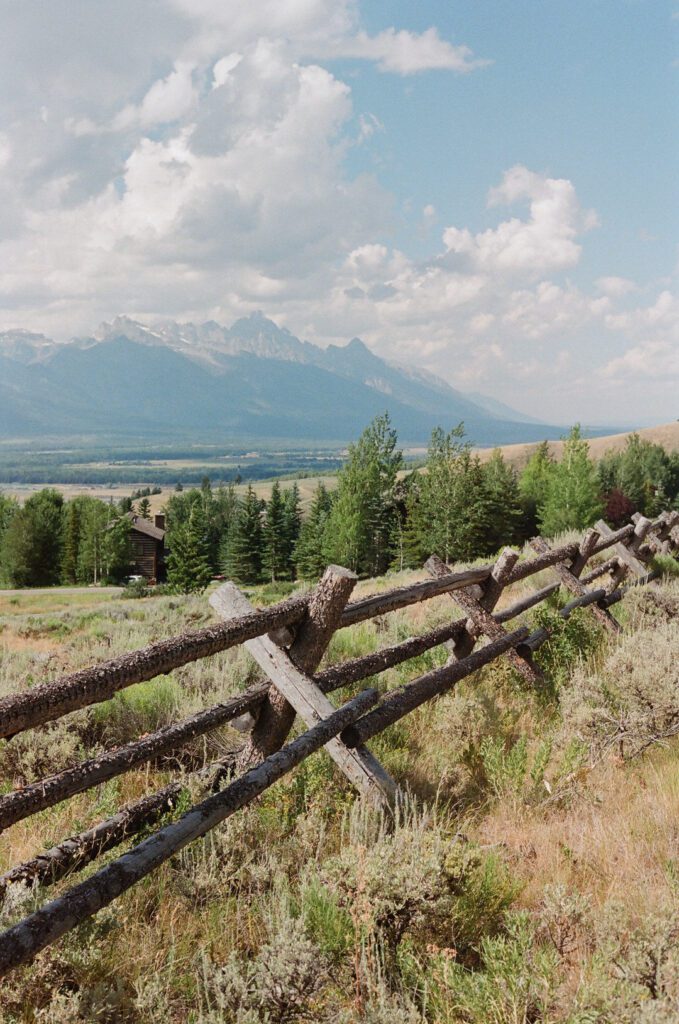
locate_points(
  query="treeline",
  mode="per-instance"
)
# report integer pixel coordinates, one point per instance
(48, 541)
(380, 517)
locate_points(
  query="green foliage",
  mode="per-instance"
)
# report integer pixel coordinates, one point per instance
(570, 640)
(512, 985)
(504, 512)
(188, 564)
(533, 485)
(292, 522)
(242, 550)
(32, 541)
(452, 508)
(361, 523)
(309, 552)
(103, 542)
(644, 472)
(274, 561)
(572, 498)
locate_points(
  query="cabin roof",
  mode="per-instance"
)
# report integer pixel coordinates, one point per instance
(142, 525)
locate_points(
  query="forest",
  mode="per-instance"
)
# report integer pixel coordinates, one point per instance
(382, 516)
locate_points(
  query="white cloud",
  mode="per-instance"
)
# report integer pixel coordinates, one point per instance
(168, 100)
(615, 286)
(408, 53)
(547, 241)
(223, 68)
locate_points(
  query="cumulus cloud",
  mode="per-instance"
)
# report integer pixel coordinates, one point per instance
(205, 174)
(546, 241)
(408, 53)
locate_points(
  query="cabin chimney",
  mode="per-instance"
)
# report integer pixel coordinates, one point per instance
(159, 521)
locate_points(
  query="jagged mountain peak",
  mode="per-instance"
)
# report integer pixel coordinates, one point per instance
(25, 346)
(251, 378)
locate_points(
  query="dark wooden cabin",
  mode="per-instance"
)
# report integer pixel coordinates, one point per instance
(147, 547)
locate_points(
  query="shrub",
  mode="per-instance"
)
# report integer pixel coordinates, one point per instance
(632, 701)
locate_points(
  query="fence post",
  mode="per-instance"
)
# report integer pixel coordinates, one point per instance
(571, 582)
(479, 610)
(324, 612)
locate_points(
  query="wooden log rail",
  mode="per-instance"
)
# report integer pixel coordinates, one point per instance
(288, 640)
(21, 942)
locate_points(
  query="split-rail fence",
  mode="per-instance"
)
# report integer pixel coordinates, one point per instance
(288, 641)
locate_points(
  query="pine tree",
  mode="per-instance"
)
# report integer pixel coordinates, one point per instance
(408, 553)
(292, 522)
(437, 512)
(242, 556)
(533, 484)
(273, 534)
(188, 564)
(573, 499)
(309, 551)
(362, 520)
(504, 512)
(73, 511)
(145, 508)
(32, 541)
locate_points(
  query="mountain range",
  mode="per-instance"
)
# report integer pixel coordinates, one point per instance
(253, 379)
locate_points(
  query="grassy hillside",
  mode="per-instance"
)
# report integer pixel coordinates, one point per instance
(666, 435)
(532, 875)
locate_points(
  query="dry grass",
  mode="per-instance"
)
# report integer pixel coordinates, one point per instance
(295, 869)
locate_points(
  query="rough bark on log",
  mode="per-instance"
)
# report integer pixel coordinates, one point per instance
(359, 765)
(611, 537)
(585, 552)
(534, 565)
(44, 703)
(573, 584)
(525, 603)
(610, 565)
(628, 553)
(75, 852)
(20, 943)
(480, 620)
(21, 803)
(401, 597)
(324, 610)
(398, 703)
(355, 669)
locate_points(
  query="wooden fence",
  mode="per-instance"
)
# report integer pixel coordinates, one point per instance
(288, 641)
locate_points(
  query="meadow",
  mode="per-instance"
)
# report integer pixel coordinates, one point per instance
(531, 874)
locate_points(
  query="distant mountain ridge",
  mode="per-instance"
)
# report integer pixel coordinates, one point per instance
(251, 379)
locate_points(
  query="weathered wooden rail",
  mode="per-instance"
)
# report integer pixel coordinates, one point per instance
(288, 641)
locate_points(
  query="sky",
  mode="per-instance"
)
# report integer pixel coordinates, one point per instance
(481, 188)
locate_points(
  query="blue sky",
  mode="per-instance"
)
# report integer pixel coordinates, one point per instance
(484, 189)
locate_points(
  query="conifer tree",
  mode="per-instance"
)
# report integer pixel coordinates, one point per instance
(573, 499)
(292, 521)
(504, 512)
(309, 551)
(408, 552)
(273, 535)
(71, 540)
(360, 528)
(32, 541)
(145, 508)
(243, 549)
(188, 564)
(533, 483)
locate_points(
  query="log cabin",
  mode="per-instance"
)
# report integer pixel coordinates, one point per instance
(147, 547)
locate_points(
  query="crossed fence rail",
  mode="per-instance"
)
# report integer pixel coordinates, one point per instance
(288, 641)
